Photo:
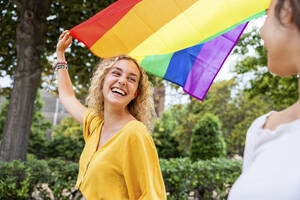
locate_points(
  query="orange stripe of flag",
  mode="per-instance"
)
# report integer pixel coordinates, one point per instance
(144, 19)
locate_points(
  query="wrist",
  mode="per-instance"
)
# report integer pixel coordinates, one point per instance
(60, 65)
(60, 56)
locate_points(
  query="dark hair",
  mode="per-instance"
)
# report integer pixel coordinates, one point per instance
(294, 5)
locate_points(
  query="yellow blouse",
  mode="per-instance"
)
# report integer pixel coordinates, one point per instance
(126, 167)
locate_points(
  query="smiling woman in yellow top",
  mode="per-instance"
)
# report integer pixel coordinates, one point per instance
(119, 160)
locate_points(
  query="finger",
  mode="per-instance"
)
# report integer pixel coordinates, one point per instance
(65, 37)
(63, 34)
(69, 40)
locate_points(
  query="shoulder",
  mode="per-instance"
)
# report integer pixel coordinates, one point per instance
(90, 114)
(255, 128)
(259, 122)
(136, 130)
(251, 139)
(91, 121)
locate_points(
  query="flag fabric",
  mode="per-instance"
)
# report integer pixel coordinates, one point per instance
(183, 41)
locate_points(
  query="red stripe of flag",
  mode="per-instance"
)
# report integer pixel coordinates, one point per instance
(99, 24)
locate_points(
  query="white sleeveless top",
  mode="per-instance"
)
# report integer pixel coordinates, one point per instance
(271, 168)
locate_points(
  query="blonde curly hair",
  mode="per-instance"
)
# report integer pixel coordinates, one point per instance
(142, 107)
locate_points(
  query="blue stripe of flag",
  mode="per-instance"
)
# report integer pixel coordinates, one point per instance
(181, 64)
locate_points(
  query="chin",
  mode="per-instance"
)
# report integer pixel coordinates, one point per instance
(281, 65)
(278, 71)
(117, 102)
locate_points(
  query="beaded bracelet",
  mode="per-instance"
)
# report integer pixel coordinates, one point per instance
(61, 66)
(59, 63)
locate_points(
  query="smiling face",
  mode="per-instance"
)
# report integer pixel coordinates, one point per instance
(121, 82)
(280, 40)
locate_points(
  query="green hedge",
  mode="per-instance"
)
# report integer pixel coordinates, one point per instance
(209, 179)
(18, 180)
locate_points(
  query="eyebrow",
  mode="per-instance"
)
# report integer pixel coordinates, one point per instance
(119, 69)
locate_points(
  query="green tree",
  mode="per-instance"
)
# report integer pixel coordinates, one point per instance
(249, 110)
(33, 27)
(31, 19)
(235, 109)
(164, 138)
(3, 112)
(207, 140)
(67, 140)
(38, 129)
(220, 102)
(281, 91)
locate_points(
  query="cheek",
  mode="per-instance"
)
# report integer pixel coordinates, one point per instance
(134, 89)
(106, 85)
(266, 33)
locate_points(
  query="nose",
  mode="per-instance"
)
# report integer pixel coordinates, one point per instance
(122, 81)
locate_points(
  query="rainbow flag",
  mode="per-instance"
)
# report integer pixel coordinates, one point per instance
(183, 41)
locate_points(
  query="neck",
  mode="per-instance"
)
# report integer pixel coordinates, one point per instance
(113, 115)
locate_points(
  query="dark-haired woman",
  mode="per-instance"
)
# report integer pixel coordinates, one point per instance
(271, 158)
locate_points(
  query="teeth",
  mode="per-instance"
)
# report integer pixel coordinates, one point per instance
(118, 91)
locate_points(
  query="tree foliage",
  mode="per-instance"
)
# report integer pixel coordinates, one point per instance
(9, 19)
(235, 109)
(281, 91)
(38, 129)
(63, 16)
(67, 142)
(164, 136)
(207, 140)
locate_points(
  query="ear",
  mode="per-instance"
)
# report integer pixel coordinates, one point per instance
(287, 14)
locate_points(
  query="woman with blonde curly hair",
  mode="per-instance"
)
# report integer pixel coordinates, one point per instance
(119, 160)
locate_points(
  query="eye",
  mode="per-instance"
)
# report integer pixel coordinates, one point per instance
(132, 79)
(116, 73)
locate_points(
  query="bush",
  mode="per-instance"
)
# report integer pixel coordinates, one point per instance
(207, 140)
(39, 126)
(67, 140)
(163, 136)
(207, 180)
(18, 180)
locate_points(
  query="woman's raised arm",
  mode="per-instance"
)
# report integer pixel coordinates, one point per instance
(65, 89)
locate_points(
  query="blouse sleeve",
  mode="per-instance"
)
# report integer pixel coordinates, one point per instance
(141, 167)
(90, 120)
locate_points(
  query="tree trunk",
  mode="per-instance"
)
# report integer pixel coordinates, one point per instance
(30, 46)
(159, 100)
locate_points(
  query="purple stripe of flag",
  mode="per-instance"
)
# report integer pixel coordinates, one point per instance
(209, 62)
